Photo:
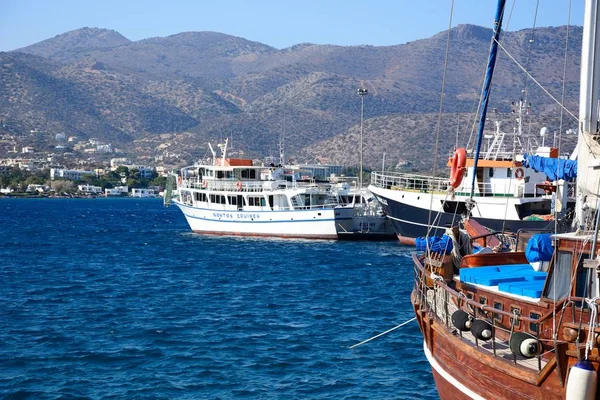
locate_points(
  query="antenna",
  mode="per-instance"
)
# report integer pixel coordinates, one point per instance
(213, 154)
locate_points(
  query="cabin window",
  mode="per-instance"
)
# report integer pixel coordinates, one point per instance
(518, 312)
(560, 276)
(217, 199)
(532, 326)
(508, 172)
(256, 201)
(201, 196)
(232, 200)
(245, 173)
(220, 174)
(498, 306)
(483, 301)
(491, 172)
(252, 174)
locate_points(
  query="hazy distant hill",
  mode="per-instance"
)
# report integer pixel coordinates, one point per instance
(94, 82)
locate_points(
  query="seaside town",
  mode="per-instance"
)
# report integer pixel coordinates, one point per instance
(77, 168)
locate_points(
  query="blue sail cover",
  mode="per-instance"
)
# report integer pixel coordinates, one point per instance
(437, 244)
(539, 248)
(554, 168)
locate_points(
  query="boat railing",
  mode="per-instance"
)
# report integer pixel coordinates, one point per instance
(399, 180)
(430, 184)
(442, 301)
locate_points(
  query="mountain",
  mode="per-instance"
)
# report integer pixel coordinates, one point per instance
(72, 46)
(96, 83)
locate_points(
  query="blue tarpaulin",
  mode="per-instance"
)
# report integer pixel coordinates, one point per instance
(437, 244)
(554, 168)
(539, 248)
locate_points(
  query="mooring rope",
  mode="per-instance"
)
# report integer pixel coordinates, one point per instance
(383, 333)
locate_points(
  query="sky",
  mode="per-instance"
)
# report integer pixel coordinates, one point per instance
(278, 23)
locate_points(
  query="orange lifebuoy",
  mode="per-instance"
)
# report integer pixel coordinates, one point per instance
(238, 185)
(457, 167)
(519, 173)
(179, 180)
(204, 183)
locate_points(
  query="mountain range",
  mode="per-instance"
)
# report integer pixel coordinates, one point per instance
(176, 93)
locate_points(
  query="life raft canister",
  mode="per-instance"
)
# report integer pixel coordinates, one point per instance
(457, 167)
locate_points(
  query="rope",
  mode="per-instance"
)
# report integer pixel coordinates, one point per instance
(565, 186)
(383, 333)
(439, 123)
(536, 82)
(593, 317)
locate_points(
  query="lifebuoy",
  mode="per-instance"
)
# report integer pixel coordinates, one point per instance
(204, 183)
(238, 185)
(179, 180)
(519, 173)
(457, 167)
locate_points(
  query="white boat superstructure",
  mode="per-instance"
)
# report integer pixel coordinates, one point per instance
(235, 197)
(368, 219)
(506, 195)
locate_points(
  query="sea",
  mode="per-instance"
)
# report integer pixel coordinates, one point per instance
(117, 298)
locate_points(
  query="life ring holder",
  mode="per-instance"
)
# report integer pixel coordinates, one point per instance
(204, 183)
(519, 173)
(238, 186)
(457, 167)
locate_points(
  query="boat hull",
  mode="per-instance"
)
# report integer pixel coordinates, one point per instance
(410, 218)
(309, 224)
(461, 371)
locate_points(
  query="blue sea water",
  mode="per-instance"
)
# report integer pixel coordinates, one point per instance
(116, 298)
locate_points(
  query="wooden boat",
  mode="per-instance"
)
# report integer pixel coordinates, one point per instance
(495, 327)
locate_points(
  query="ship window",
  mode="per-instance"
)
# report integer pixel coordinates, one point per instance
(508, 172)
(483, 301)
(254, 201)
(232, 200)
(498, 306)
(244, 173)
(491, 172)
(560, 276)
(252, 174)
(518, 310)
(201, 196)
(220, 174)
(532, 326)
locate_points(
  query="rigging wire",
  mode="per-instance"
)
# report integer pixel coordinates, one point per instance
(477, 102)
(536, 81)
(439, 122)
(558, 146)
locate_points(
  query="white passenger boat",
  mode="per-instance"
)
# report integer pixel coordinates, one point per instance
(235, 197)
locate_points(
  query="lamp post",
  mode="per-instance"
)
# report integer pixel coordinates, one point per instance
(362, 93)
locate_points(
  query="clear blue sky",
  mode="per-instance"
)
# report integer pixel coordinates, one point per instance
(278, 23)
